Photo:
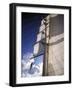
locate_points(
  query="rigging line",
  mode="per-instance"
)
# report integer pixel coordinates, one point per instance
(37, 55)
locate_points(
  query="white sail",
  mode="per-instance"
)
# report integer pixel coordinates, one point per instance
(42, 28)
(55, 41)
(40, 36)
(36, 49)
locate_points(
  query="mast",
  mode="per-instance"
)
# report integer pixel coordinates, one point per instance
(46, 54)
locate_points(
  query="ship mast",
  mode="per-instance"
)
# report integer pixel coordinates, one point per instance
(46, 43)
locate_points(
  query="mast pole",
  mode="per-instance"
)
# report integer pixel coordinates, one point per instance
(46, 56)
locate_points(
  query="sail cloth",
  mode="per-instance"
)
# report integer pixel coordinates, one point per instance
(38, 49)
(56, 46)
(55, 41)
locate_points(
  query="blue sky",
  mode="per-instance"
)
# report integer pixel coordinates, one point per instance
(30, 27)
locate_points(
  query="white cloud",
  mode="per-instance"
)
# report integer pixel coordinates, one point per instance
(27, 57)
(36, 69)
